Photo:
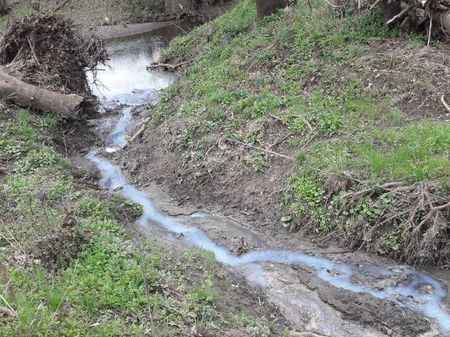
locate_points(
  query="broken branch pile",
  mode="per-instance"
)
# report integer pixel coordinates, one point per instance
(47, 51)
(410, 222)
(431, 17)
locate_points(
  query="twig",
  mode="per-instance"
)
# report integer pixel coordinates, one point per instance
(261, 149)
(374, 4)
(419, 105)
(33, 51)
(57, 8)
(137, 134)
(168, 67)
(308, 124)
(429, 30)
(399, 15)
(375, 317)
(429, 215)
(180, 28)
(333, 5)
(18, 54)
(277, 118)
(313, 136)
(8, 305)
(444, 103)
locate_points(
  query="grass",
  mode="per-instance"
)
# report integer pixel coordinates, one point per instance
(412, 153)
(71, 268)
(321, 80)
(261, 69)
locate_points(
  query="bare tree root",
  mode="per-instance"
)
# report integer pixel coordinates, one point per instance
(409, 222)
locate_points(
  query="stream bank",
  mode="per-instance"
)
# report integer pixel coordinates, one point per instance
(319, 291)
(329, 138)
(324, 292)
(73, 263)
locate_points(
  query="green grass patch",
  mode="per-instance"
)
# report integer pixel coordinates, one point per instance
(286, 65)
(411, 153)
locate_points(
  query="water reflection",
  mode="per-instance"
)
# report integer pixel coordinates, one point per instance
(125, 79)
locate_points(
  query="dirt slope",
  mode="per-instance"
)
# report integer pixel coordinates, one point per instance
(333, 126)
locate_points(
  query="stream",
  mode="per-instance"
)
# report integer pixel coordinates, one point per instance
(123, 86)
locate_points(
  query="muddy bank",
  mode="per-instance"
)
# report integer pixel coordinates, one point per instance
(308, 302)
(361, 295)
(278, 129)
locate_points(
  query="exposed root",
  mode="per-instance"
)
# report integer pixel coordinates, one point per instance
(410, 222)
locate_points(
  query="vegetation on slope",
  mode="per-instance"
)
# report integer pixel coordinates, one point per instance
(355, 102)
(71, 268)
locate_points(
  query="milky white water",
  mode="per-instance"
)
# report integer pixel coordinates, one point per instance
(125, 80)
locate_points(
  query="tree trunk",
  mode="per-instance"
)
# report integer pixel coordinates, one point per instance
(267, 7)
(29, 96)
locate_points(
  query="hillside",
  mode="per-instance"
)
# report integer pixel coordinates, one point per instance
(309, 122)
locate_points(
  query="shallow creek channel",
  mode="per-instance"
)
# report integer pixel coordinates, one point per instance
(328, 295)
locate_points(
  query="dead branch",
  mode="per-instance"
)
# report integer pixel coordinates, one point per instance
(417, 216)
(430, 29)
(261, 149)
(444, 103)
(374, 4)
(138, 133)
(165, 66)
(395, 18)
(33, 51)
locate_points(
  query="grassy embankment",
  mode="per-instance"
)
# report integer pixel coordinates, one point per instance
(71, 268)
(359, 107)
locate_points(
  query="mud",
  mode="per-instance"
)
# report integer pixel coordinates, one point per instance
(308, 302)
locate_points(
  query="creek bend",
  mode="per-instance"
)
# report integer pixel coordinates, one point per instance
(123, 85)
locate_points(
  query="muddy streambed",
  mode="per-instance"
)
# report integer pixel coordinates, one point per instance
(339, 294)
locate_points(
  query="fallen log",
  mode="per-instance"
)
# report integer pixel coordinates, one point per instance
(165, 66)
(29, 96)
